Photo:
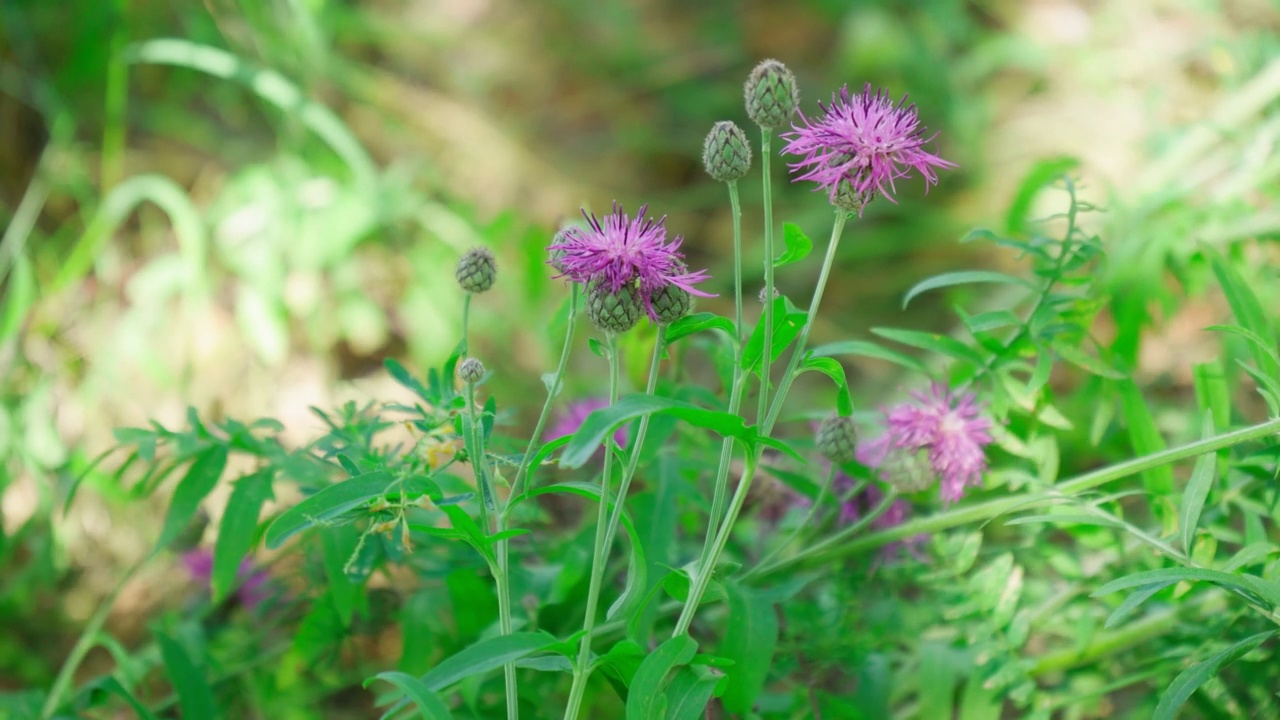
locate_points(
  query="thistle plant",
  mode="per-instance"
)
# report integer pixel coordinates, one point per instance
(518, 532)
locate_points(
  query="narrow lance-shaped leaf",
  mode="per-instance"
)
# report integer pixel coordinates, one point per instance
(602, 422)
(327, 504)
(963, 277)
(239, 529)
(751, 637)
(646, 699)
(1197, 489)
(195, 697)
(429, 703)
(199, 481)
(1193, 677)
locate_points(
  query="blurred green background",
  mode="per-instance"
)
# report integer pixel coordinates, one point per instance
(244, 206)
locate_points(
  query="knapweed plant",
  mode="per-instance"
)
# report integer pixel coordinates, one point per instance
(708, 543)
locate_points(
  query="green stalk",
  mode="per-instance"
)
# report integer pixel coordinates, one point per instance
(475, 451)
(808, 518)
(503, 580)
(706, 567)
(658, 345)
(766, 353)
(842, 543)
(466, 316)
(789, 376)
(88, 638)
(582, 668)
(721, 485)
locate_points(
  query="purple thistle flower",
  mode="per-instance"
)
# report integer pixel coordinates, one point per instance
(864, 140)
(937, 433)
(619, 250)
(576, 414)
(253, 589)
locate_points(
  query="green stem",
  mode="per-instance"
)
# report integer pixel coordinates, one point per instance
(766, 352)
(634, 461)
(88, 637)
(841, 544)
(806, 522)
(582, 668)
(503, 579)
(475, 451)
(737, 259)
(789, 376)
(517, 485)
(466, 317)
(764, 567)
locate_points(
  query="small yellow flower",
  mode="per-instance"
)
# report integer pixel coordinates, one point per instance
(439, 450)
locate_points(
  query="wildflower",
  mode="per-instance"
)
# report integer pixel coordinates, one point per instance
(859, 146)
(615, 311)
(577, 413)
(618, 251)
(440, 450)
(935, 435)
(471, 370)
(253, 590)
(836, 439)
(476, 270)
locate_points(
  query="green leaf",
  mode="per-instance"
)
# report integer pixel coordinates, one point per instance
(798, 245)
(962, 277)
(1041, 175)
(646, 699)
(1256, 342)
(1198, 487)
(871, 350)
(690, 324)
(329, 503)
(406, 379)
(429, 703)
(933, 342)
(1189, 680)
(1067, 519)
(1248, 312)
(199, 481)
(338, 546)
(834, 370)
(601, 423)
(1255, 589)
(1133, 601)
(239, 529)
(1083, 360)
(195, 697)
(110, 685)
(787, 322)
(690, 691)
(751, 637)
(481, 657)
(1144, 436)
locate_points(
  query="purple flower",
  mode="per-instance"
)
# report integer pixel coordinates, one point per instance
(934, 435)
(619, 250)
(253, 589)
(576, 414)
(865, 140)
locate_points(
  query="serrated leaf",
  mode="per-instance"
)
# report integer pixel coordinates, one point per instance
(961, 277)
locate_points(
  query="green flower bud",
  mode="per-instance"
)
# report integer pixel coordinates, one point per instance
(837, 439)
(772, 95)
(671, 303)
(613, 312)
(476, 270)
(726, 153)
(471, 370)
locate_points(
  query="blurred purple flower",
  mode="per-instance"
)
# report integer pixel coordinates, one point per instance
(619, 250)
(938, 427)
(253, 590)
(576, 414)
(865, 140)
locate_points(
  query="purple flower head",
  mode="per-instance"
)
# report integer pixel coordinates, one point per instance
(619, 250)
(865, 141)
(576, 414)
(936, 434)
(253, 589)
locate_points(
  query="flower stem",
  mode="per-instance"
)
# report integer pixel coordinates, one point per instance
(503, 579)
(789, 376)
(840, 544)
(581, 669)
(737, 258)
(808, 519)
(466, 317)
(658, 345)
(475, 452)
(766, 352)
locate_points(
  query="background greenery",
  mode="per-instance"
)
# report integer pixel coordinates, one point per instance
(245, 206)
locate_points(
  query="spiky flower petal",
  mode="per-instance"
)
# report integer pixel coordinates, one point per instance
(859, 146)
(771, 95)
(618, 251)
(726, 153)
(946, 430)
(476, 270)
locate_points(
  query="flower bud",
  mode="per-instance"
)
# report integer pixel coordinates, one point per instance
(557, 254)
(908, 471)
(726, 153)
(837, 439)
(471, 370)
(613, 312)
(771, 95)
(670, 303)
(476, 270)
